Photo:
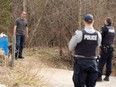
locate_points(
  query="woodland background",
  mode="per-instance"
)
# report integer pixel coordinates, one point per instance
(53, 22)
(51, 25)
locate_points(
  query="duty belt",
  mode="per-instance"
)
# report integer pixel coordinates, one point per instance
(83, 57)
(108, 46)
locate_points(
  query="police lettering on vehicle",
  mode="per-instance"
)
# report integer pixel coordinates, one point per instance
(90, 37)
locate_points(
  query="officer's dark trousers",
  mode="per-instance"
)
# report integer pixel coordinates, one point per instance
(85, 73)
(106, 58)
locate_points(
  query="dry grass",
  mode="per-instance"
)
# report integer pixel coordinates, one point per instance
(50, 57)
(25, 73)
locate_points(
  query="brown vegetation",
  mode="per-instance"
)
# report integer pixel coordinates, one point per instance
(53, 22)
(24, 74)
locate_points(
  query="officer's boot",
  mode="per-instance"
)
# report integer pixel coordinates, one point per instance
(106, 78)
(99, 79)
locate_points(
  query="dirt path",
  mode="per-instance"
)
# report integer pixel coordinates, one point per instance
(63, 78)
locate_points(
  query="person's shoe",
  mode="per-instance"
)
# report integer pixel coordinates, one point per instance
(21, 57)
(99, 79)
(106, 78)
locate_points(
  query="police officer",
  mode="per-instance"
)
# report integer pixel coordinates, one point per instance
(84, 43)
(108, 34)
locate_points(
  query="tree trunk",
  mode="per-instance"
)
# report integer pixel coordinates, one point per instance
(79, 14)
(24, 6)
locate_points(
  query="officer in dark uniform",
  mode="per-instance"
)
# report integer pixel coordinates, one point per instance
(84, 43)
(107, 48)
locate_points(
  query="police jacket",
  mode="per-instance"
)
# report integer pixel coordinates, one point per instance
(85, 42)
(108, 34)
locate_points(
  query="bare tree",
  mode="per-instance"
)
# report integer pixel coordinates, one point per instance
(53, 22)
